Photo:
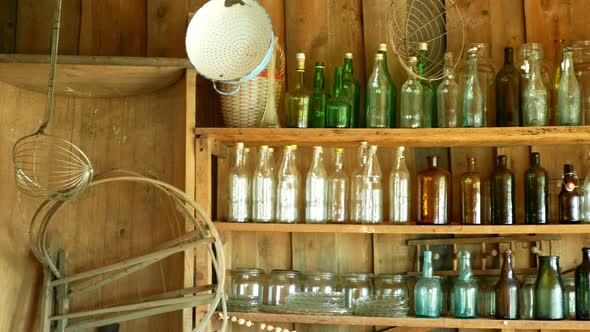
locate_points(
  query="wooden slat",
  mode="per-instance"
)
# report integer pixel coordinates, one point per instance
(166, 28)
(8, 26)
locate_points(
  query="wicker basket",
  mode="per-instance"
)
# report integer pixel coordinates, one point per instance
(246, 108)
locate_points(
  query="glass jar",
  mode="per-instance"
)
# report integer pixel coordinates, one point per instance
(391, 285)
(582, 67)
(486, 297)
(570, 297)
(527, 297)
(355, 285)
(549, 290)
(247, 284)
(319, 282)
(524, 53)
(281, 284)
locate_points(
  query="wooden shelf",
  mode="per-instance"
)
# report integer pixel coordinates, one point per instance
(415, 322)
(443, 137)
(404, 229)
(92, 76)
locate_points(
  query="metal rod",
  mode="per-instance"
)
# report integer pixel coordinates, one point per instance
(54, 48)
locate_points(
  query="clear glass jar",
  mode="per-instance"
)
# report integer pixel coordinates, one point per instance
(527, 297)
(355, 285)
(391, 285)
(570, 297)
(582, 67)
(319, 282)
(247, 284)
(486, 297)
(281, 284)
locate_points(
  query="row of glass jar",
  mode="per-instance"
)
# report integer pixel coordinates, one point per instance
(263, 196)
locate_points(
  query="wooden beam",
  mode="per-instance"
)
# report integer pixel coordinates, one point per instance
(8, 26)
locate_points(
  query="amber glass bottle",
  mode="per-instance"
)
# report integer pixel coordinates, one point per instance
(507, 291)
(434, 186)
(503, 194)
(536, 192)
(570, 197)
(471, 194)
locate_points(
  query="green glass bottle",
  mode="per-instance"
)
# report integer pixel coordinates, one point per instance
(583, 287)
(568, 95)
(427, 292)
(508, 92)
(317, 102)
(503, 194)
(536, 192)
(429, 88)
(297, 100)
(338, 108)
(352, 90)
(570, 197)
(378, 104)
(549, 290)
(393, 113)
(474, 105)
(465, 289)
(507, 291)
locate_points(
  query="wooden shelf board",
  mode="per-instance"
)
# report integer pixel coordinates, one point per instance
(404, 229)
(92, 76)
(443, 137)
(414, 322)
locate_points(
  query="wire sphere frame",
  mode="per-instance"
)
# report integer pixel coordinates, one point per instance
(411, 22)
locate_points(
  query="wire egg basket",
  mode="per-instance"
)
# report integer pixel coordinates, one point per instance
(411, 22)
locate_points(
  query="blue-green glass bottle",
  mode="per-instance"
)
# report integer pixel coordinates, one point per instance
(317, 101)
(338, 108)
(427, 292)
(352, 90)
(393, 113)
(429, 88)
(549, 290)
(465, 289)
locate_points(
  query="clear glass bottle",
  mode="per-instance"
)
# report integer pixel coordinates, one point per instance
(447, 96)
(507, 291)
(379, 92)
(581, 64)
(570, 197)
(356, 285)
(429, 88)
(288, 183)
(371, 190)
(297, 100)
(474, 105)
(525, 52)
(338, 109)
(465, 289)
(554, 117)
(527, 297)
(549, 290)
(569, 283)
(352, 90)
(412, 100)
(568, 95)
(503, 194)
(535, 100)
(508, 92)
(318, 99)
(586, 195)
(356, 183)
(239, 187)
(393, 113)
(583, 287)
(338, 190)
(399, 189)
(316, 190)
(471, 194)
(427, 292)
(434, 186)
(536, 192)
(263, 189)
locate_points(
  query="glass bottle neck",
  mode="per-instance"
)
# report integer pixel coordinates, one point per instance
(400, 162)
(465, 268)
(432, 162)
(363, 150)
(507, 271)
(535, 160)
(568, 63)
(508, 56)
(427, 264)
(384, 57)
(472, 61)
(471, 166)
(348, 66)
(586, 255)
(337, 83)
(378, 66)
(318, 80)
(239, 161)
(338, 161)
(421, 65)
(549, 261)
(264, 160)
(300, 79)
(501, 163)
(317, 158)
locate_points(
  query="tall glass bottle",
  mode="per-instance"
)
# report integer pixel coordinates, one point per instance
(379, 92)
(535, 102)
(263, 189)
(536, 192)
(318, 99)
(316, 190)
(570, 197)
(338, 190)
(568, 95)
(507, 291)
(393, 114)
(503, 194)
(429, 88)
(465, 288)
(399, 189)
(583, 287)
(338, 108)
(411, 103)
(447, 96)
(586, 198)
(352, 90)
(434, 186)
(356, 182)
(554, 112)
(239, 187)
(427, 292)
(549, 290)
(474, 106)
(508, 92)
(471, 194)
(371, 191)
(288, 183)
(297, 100)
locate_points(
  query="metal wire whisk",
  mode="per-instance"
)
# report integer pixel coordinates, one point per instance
(50, 166)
